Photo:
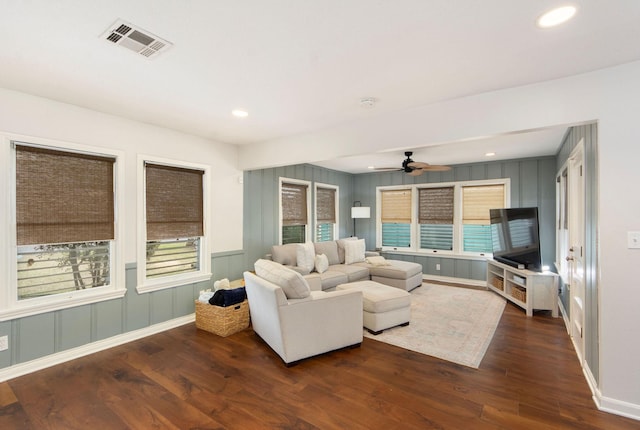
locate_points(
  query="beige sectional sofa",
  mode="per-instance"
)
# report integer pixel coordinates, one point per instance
(346, 261)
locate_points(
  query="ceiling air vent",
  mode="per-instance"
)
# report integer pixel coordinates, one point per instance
(136, 39)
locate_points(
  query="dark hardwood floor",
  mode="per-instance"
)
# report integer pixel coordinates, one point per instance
(190, 379)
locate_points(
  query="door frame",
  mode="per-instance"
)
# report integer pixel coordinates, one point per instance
(565, 186)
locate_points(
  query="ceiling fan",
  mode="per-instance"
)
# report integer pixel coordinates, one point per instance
(415, 168)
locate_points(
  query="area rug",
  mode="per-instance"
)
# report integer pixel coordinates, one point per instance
(452, 323)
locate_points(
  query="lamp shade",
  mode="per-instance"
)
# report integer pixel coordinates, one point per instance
(360, 212)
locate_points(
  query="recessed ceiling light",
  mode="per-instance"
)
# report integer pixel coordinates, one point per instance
(490, 154)
(556, 16)
(370, 167)
(239, 113)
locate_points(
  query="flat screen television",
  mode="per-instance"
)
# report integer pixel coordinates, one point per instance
(516, 237)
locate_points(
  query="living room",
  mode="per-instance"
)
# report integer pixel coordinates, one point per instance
(607, 97)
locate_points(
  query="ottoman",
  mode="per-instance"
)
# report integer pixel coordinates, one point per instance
(383, 306)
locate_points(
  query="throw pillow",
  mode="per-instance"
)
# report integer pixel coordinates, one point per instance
(322, 263)
(340, 244)
(354, 251)
(330, 249)
(292, 283)
(284, 254)
(305, 255)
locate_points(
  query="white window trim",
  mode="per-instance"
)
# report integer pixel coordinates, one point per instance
(337, 207)
(10, 306)
(145, 285)
(307, 230)
(457, 216)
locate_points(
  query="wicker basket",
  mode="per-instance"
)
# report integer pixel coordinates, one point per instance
(519, 293)
(222, 321)
(498, 283)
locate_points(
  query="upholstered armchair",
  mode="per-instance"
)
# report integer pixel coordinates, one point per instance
(301, 327)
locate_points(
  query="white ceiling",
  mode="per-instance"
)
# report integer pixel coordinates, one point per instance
(302, 66)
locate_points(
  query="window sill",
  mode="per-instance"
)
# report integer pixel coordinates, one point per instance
(439, 254)
(54, 303)
(170, 282)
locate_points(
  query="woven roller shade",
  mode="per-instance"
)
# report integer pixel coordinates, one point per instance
(326, 205)
(477, 200)
(435, 205)
(174, 201)
(63, 197)
(396, 206)
(294, 204)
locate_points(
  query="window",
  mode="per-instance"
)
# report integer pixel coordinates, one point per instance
(174, 225)
(294, 209)
(65, 228)
(435, 216)
(396, 218)
(476, 223)
(326, 212)
(451, 218)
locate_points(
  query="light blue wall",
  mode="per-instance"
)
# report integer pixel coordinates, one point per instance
(261, 197)
(532, 184)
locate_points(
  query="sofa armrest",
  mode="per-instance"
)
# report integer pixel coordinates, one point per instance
(328, 321)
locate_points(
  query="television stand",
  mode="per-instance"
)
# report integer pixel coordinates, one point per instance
(529, 290)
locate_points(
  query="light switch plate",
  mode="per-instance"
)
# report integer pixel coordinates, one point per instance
(4, 343)
(633, 239)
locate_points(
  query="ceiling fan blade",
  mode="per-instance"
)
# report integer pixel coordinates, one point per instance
(416, 172)
(436, 168)
(418, 165)
(386, 169)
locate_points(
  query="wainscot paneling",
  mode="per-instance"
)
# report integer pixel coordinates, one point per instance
(38, 336)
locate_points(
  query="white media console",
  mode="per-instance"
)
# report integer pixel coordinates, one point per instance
(529, 290)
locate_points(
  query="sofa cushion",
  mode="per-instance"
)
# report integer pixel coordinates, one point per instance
(292, 283)
(340, 243)
(321, 263)
(378, 298)
(330, 249)
(306, 255)
(332, 278)
(354, 251)
(354, 272)
(285, 254)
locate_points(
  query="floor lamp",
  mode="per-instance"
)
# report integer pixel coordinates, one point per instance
(359, 211)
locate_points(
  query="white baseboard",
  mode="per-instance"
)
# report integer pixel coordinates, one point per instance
(617, 407)
(90, 348)
(605, 404)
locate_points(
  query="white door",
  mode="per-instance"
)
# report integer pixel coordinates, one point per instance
(575, 253)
